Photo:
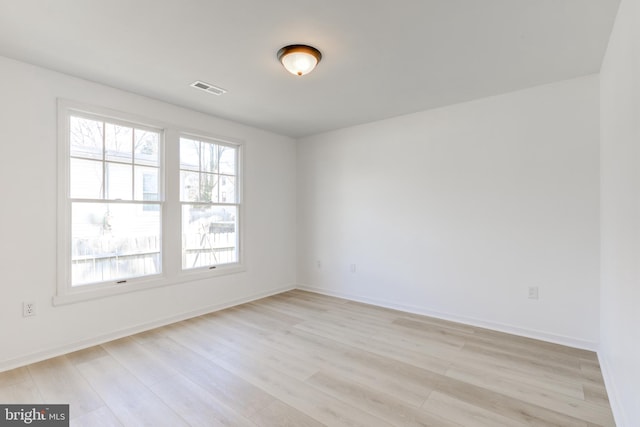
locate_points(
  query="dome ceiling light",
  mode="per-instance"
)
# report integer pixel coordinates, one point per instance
(299, 59)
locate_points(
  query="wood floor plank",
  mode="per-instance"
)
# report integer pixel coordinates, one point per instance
(229, 388)
(543, 364)
(419, 330)
(435, 324)
(24, 392)
(142, 363)
(227, 338)
(14, 376)
(517, 348)
(308, 400)
(596, 394)
(591, 373)
(376, 402)
(302, 303)
(130, 401)
(197, 406)
(287, 318)
(576, 408)
(288, 363)
(418, 335)
(551, 385)
(257, 320)
(533, 344)
(519, 410)
(366, 368)
(101, 417)
(223, 332)
(86, 355)
(287, 307)
(282, 415)
(315, 300)
(395, 378)
(392, 315)
(463, 413)
(60, 382)
(525, 367)
(379, 346)
(189, 335)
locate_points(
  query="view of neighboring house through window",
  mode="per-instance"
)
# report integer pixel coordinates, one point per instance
(114, 195)
(210, 202)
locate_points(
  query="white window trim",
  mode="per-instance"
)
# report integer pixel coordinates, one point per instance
(172, 273)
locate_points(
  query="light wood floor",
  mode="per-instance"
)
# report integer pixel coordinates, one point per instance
(301, 359)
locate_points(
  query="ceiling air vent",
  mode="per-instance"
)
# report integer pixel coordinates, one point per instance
(208, 88)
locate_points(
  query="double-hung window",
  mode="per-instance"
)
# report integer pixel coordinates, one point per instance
(142, 204)
(114, 200)
(210, 202)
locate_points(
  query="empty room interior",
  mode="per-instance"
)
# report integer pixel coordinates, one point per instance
(306, 213)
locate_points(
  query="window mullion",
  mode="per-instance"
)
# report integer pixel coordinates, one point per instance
(104, 161)
(133, 162)
(172, 206)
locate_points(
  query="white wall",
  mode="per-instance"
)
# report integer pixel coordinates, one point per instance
(620, 169)
(457, 211)
(28, 219)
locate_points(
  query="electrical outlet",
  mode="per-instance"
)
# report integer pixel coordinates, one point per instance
(533, 292)
(352, 268)
(319, 264)
(28, 309)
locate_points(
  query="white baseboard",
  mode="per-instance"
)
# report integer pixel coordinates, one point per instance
(612, 392)
(496, 326)
(79, 345)
(39, 356)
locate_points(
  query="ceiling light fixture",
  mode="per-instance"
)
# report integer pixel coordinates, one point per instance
(299, 59)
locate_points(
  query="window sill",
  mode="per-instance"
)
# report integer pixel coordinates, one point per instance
(87, 293)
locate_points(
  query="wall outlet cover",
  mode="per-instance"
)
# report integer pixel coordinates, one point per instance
(28, 308)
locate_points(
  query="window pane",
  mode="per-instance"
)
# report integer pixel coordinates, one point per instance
(146, 183)
(118, 143)
(228, 160)
(146, 147)
(119, 181)
(209, 187)
(86, 179)
(189, 186)
(227, 189)
(209, 157)
(189, 154)
(113, 242)
(209, 235)
(85, 137)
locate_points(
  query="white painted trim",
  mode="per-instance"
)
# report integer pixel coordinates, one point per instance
(38, 356)
(87, 293)
(614, 401)
(6, 365)
(496, 326)
(172, 273)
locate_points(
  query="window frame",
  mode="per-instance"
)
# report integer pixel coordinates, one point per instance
(169, 202)
(238, 198)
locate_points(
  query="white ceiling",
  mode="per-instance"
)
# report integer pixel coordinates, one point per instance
(381, 58)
